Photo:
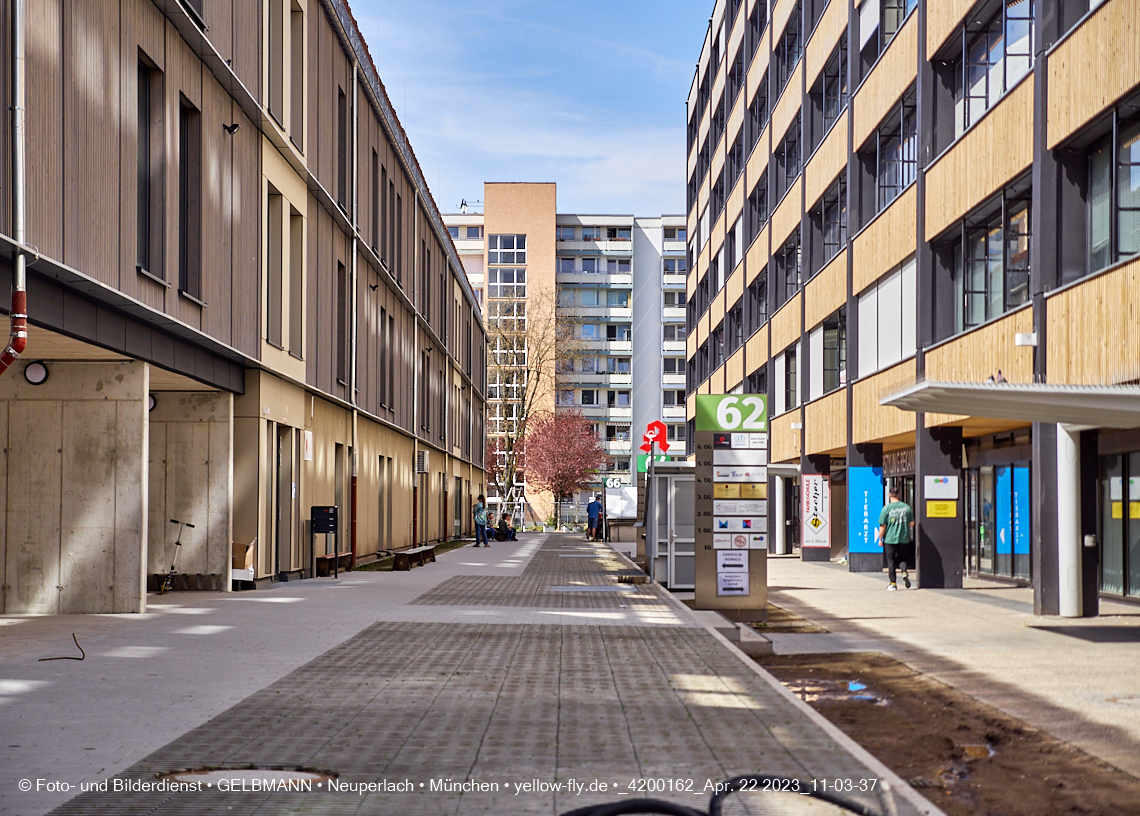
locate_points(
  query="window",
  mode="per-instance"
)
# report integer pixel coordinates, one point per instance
(474, 232)
(757, 118)
(757, 209)
(564, 265)
(757, 22)
(296, 282)
(675, 233)
(589, 331)
(398, 238)
(589, 396)
(887, 320)
(619, 266)
(341, 323)
(734, 328)
(275, 267)
(788, 269)
(675, 266)
(506, 249)
(735, 80)
(674, 300)
(617, 298)
(672, 365)
(831, 89)
(148, 229)
(507, 315)
(674, 332)
(565, 233)
(189, 200)
(342, 150)
(896, 152)
(787, 156)
(506, 283)
(618, 233)
(617, 365)
(716, 122)
(617, 433)
(716, 348)
(591, 265)
(621, 332)
(790, 391)
(833, 215)
(734, 162)
(994, 57)
(788, 49)
(675, 433)
(757, 382)
(878, 24)
(1114, 197)
(591, 233)
(376, 192)
(617, 399)
(673, 397)
(991, 262)
(835, 351)
(757, 303)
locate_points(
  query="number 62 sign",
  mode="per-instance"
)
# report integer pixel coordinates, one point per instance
(747, 412)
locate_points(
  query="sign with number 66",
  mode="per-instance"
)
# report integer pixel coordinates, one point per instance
(748, 412)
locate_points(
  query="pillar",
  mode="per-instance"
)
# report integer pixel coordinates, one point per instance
(939, 542)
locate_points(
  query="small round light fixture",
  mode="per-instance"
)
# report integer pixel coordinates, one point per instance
(151, 402)
(36, 373)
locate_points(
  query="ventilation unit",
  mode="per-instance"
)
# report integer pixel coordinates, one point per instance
(422, 461)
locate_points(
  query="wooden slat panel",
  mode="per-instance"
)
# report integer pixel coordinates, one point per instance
(780, 16)
(825, 423)
(44, 94)
(942, 19)
(758, 68)
(826, 292)
(718, 158)
(826, 163)
(1098, 64)
(787, 216)
(1094, 329)
(735, 205)
(887, 241)
(247, 49)
(716, 309)
(981, 353)
(983, 161)
(895, 71)
(786, 325)
(758, 255)
(871, 422)
(246, 283)
(756, 349)
(217, 211)
(783, 442)
(758, 161)
(734, 288)
(831, 26)
(736, 118)
(788, 105)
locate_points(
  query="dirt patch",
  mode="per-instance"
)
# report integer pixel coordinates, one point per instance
(965, 756)
(781, 620)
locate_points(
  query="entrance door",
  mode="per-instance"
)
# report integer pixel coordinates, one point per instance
(286, 493)
(682, 533)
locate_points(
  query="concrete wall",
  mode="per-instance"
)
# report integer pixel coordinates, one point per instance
(191, 479)
(74, 489)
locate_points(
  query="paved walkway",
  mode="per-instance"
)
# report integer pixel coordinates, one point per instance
(1077, 679)
(522, 663)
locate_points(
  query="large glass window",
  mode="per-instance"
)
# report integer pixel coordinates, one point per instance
(1120, 524)
(506, 283)
(834, 85)
(835, 351)
(896, 151)
(506, 249)
(787, 158)
(790, 379)
(788, 49)
(788, 269)
(995, 55)
(1114, 203)
(757, 303)
(833, 211)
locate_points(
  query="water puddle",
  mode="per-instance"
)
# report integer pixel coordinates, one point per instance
(837, 691)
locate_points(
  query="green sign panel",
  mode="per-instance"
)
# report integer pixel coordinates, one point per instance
(643, 461)
(732, 412)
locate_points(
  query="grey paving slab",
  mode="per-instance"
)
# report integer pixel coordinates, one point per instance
(345, 678)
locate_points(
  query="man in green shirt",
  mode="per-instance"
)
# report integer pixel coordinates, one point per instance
(896, 531)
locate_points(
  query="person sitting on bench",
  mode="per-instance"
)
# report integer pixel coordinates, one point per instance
(505, 532)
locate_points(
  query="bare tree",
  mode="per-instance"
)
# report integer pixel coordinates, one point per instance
(564, 453)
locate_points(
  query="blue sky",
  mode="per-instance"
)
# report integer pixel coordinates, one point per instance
(587, 94)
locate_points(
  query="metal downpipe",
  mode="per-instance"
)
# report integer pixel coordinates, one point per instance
(18, 336)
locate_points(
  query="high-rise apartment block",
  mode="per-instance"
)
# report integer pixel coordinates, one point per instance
(583, 312)
(244, 305)
(913, 226)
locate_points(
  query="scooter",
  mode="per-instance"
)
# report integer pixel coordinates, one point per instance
(167, 584)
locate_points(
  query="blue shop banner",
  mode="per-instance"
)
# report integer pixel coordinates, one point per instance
(864, 503)
(1003, 520)
(1021, 510)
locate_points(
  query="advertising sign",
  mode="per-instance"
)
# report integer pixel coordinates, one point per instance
(942, 509)
(940, 487)
(740, 507)
(864, 503)
(748, 412)
(816, 511)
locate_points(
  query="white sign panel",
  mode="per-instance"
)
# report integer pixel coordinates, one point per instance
(732, 583)
(726, 541)
(731, 560)
(740, 457)
(740, 474)
(940, 487)
(307, 445)
(740, 507)
(816, 511)
(757, 541)
(740, 440)
(758, 440)
(731, 525)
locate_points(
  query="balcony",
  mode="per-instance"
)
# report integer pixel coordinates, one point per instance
(623, 280)
(623, 248)
(673, 313)
(673, 412)
(675, 346)
(673, 380)
(599, 312)
(603, 345)
(618, 446)
(573, 378)
(673, 279)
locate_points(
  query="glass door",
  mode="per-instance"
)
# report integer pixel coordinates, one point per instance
(682, 533)
(1120, 524)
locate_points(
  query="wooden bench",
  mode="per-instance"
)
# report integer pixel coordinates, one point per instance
(415, 557)
(325, 562)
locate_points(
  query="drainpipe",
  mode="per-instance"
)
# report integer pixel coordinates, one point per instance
(352, 370)
(18, 338)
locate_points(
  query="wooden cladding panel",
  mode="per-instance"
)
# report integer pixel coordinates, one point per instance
(783, 441)
(734, 288)
(831, 26)
(716, 310)
(895, 71)
(691, 164)
(758, 255)
(786, 325)
(1094, 329)
(703, 328)
(735, 204)
(942, 19)
(691, 345)
(787, 216)
(1095, 66)
(887, 241)
(828, 161)
(690, 408)
(979, 354)
(825, 424)
(756, 349)
(44, 100)
(717, 161)
(719, 78)
(758, 161)
(217, 254)
(247, 49)
(870, 421)
(983, 161)
(758, 68)
(788, 104)
(780, 16)
(734, 370)
(826, 292)
(736, 118)
(246, 286)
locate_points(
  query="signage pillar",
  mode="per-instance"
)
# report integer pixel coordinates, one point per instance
(731, 505)
(815, 512)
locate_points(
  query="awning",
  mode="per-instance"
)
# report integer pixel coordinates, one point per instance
(1098, 406)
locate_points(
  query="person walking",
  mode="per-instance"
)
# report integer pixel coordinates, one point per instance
(896, 532)
(593, 515)
(480, 511)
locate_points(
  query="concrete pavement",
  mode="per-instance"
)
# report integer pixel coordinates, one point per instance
(1077, 679)
(520, 662)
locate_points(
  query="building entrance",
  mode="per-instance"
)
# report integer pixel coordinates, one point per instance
(1119, 532)
(998, 521)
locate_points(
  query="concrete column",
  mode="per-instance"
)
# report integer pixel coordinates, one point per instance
(1069, 521)
(780, 527)
(938, 541)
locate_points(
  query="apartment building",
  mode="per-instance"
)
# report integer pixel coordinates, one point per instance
(242, 301)
(913, 227)
(614, 285)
